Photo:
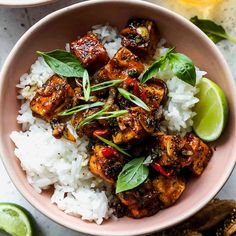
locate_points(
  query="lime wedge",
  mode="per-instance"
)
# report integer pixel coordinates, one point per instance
(212, 111)
(15, 220)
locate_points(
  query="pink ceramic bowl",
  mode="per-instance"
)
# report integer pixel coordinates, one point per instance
(63, 26)
(24, 3)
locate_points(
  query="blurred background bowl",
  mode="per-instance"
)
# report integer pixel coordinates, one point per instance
(65, 25)
(24, 3)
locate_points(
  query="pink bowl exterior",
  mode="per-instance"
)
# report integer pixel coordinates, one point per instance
(24, 3)
(63, 26)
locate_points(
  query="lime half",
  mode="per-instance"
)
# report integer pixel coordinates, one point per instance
(212, 111)
(15, 220)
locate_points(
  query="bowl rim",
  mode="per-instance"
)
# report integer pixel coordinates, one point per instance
(24, 3)
(84, 229)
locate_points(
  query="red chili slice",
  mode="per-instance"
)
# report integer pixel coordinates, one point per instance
(158, 168)
(143, 95)
(108, 151)
(100, 132)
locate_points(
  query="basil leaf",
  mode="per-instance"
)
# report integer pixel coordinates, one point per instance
(154, 68)
(113, 145)
(63, 63)
(86, 85)
(215, 32)
(76, 109)
(105, 84)
(132, 175)
(129, 96)
(182, 67)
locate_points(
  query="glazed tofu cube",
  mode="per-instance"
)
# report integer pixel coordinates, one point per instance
(90, 52)
(106, 162)
(141, 37)
(154, 93)
(169, 188)
(201, 154)
(134, 126)
(122, 66)
(54, 96)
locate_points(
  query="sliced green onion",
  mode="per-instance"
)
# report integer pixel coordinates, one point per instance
(102, 115)
(113, 114)
(129, 96)
(76, 109)
(105, 84)
(86, 85)
(92, 117)
(113, 145)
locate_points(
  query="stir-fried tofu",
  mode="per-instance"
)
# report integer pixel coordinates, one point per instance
(134, 125)
(54, 97)
(169, 188)
(169, 146)
(141, 201)
(106, 162)
(184, 151)
(90, 52)
(122, 66)
(141, 37)
(89, 128)
(154, 93)
(201, 154)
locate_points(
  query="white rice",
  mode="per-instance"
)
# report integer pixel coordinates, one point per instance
(63, 164)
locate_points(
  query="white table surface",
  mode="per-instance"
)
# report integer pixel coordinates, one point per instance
(13, 23)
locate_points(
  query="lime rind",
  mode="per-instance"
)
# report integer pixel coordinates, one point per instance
(214, 110)
(15, 220)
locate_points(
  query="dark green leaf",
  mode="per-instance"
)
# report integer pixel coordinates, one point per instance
(132, 175)
(183, 68)
(215, 32)
(109, 143)
(105, 84)
(129, 96)
(63, 63)
(76, 109)
(154, 68)
(86, 85)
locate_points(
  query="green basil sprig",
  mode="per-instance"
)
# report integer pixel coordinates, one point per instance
(102, 114)
(66, 64)
(215, 32)
(76, 109)
(105, 84)
(132, 175)
(181, 65)
(109, 143)
(131, 97)
(63, 63)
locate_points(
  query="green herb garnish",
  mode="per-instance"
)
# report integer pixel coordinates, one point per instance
(63, 63)
(131, 97)
(66, 64)
(132, 175)
(86, 85)
(109, 143)
(76, 109)
(181, 65)
(103, 114)
(215, 32)
(154, 68)
(105, 84)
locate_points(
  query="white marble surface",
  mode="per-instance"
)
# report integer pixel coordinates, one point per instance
(13, 23)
